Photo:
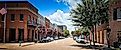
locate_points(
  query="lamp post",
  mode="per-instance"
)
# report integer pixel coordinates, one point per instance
(108, 35)
(20, 39)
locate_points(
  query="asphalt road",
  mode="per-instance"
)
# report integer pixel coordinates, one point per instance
(63, 44)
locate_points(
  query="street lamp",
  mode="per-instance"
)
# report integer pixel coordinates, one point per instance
(108, 35)
(20, 40)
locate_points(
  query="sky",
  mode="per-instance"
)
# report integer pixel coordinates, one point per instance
(57, 11)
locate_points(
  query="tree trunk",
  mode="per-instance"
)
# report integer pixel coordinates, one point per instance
(93, 34)
(90, 33)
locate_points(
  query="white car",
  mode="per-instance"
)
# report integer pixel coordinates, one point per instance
(51, 38)
(56, 38)
(80, 39)
(75, 37)
(61, 37)
(45, 39)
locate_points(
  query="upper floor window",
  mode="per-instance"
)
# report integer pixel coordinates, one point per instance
(29, 17)
(36, 20)
(116, 13)
(33, 18)
(119, 13)
(12, 17)
(21, 17)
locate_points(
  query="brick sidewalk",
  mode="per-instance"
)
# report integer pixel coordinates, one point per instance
(9, 45)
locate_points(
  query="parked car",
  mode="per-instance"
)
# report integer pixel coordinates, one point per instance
(51, 38)
(61, 37)
(80, 39)
(75, 37)
(45, 39)
(56, 38)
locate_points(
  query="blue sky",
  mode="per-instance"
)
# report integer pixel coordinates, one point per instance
(47, 7)
(57, 11)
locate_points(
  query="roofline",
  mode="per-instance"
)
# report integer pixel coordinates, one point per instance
(18, 2)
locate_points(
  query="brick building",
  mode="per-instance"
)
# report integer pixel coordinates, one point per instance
(115, 21)
(62, 27)
(21, 21)
(55, 30)
(47, 26)
(101, 34)
(41, 33)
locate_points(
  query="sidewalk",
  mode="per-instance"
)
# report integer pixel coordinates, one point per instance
(105, 47)
(13, 45)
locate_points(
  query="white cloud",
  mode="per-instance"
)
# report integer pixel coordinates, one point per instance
(71, 3)
(61, 18)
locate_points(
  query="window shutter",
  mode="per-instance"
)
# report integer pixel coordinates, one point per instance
(114, 14)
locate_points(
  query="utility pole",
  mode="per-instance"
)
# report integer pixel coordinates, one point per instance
(4, 25)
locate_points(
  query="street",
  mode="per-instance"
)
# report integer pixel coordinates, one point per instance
(62, 44)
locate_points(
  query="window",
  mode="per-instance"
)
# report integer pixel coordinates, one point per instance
(33, 18)
(12, 17)
(114, 14)
(2, 17)
(119, 13)
(29, 17)
(36, 21)
(21, 17)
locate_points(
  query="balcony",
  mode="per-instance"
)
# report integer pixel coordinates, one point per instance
(34, 23)
(31, 23)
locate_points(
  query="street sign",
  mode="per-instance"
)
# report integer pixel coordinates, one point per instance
(3, 11)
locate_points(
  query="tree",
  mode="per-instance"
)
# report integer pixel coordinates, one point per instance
(72, 32)
(84, 31)
(66, 33)
(90, 13)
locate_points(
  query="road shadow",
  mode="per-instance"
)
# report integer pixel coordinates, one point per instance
(88, 46)
(26, 45)
(3, 48)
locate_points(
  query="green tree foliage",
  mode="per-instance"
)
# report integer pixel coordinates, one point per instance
(66, 33)
(84, 31)
(90, 13)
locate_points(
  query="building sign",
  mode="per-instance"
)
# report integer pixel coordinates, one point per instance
(3, 11)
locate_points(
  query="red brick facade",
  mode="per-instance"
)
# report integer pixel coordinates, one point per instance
(101, 34)
(115, 23)
(25, 28)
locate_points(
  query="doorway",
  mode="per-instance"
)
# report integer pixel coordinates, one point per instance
(21, 35)
(28, 35)
(12, 35)
(32, 35)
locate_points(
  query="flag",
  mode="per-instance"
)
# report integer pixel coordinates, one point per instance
(3, 11)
